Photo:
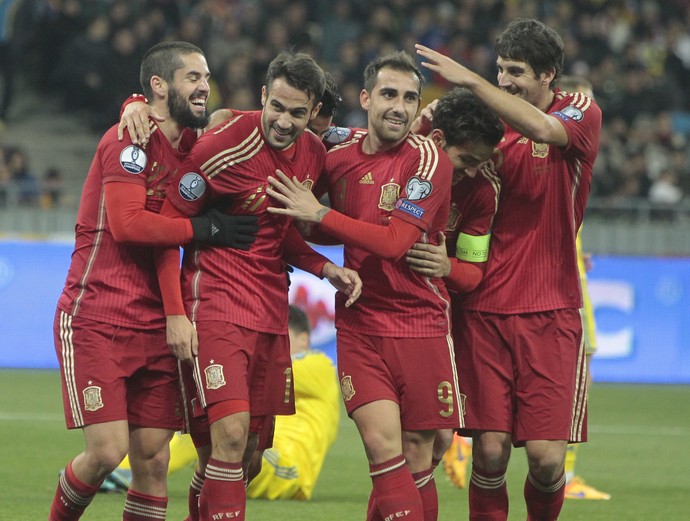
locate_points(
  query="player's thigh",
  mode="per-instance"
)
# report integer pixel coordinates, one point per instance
(271, 381)
(153, 391)
(92, 370)
(485, 370)
(363, 373)
(225, 350)
(550, 366)
(424, 372)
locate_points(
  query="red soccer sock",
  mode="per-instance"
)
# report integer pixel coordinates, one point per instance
(223, 491)
(427, 491)
(394, 493)
(488, 495)
(71, 497)
(193, 498)
(140, 507)
(544, 503)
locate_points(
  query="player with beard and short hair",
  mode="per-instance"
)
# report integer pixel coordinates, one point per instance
(119, 379)
(238, 300)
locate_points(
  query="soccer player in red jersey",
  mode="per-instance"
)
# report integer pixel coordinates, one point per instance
(388, 189)
(238, 300)
(465, 128)
(521, 363)
(119, 380)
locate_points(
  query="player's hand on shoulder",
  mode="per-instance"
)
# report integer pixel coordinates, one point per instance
(135, 118)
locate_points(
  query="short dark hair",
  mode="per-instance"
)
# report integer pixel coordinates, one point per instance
(532, 42)
(163, 59)
(298, 320)
(399, 61)
(464, 118)
(331, 100)
(300, 71)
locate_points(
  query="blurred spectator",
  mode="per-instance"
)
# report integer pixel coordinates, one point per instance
(22, 180)
(635, 53)
(51, 188)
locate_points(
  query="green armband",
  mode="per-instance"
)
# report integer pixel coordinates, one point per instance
(471, 248)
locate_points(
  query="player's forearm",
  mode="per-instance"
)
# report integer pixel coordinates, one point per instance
(389, 242)
(168, 273)
(299, 254)
(464, 276)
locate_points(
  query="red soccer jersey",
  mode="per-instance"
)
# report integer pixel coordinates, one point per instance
(114, 282)
(229, 166)
(473, 206)
(411, 182)
(532, 262)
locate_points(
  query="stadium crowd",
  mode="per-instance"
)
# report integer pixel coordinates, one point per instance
(635, 53)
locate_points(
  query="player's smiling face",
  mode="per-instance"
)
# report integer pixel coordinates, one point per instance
(519, 79)
(189, 92)
(286, 112)
(392, 104)
(468, 158)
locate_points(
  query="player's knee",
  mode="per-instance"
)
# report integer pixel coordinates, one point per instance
(545, 468)
(491, 453)
(106, 458)
(229, 438)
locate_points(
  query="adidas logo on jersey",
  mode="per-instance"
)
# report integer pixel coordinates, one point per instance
(367, 179)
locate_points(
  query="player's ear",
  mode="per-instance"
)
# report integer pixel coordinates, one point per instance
(438, 138)
(159, 86)
(315, 110)
(264, 95)
(364, 99)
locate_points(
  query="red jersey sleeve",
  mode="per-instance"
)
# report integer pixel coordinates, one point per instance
(427, 188)
(168, 271)
(389, 242)
(131, 222)
(298, 253)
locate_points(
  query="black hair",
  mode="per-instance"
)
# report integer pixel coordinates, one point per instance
(298, 320)
(399, 61)
(464, 118)
(331, 100)
(534, 43)
(300, 71)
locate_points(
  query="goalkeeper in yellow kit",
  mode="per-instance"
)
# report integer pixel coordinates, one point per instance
(292, 466)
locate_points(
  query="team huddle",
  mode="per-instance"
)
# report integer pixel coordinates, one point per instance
(457, 308)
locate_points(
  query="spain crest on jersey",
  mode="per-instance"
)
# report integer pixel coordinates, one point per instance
(215, 378)
(92, 398)
(540, 150)
(389, 195)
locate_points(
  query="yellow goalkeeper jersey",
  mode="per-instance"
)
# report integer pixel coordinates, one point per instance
(587, 312)
(292, 466)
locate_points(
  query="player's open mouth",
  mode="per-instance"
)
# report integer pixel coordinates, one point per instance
(395, 122)
(199, 103)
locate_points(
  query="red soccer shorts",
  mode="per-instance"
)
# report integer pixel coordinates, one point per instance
(236, 363)
(523, 374)
(113, 373)
(416, 373)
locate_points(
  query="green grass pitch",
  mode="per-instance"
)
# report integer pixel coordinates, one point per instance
(639, 451)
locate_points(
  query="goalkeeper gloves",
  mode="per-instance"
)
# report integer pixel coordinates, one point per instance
(219, 229)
